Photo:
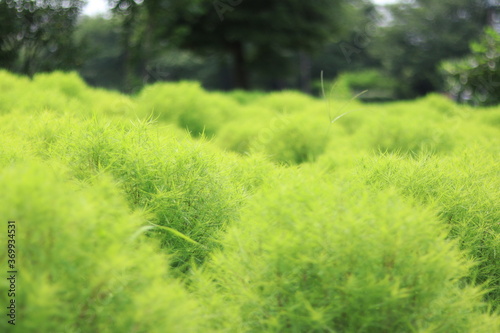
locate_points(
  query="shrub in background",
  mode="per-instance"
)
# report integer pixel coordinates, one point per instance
(13, 147)
(378, 86)
(293, 139)
(442, 104)
(246, 127)
(489, 116)
(407, 134)
(187, 105)
(63, 93)
(239, 135)
(245, 97)
(285, 101)
(214, 110)
(70, 85)
(312, 255)
(431, 125)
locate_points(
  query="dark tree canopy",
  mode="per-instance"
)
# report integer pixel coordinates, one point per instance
(423, 33)
(249, 32)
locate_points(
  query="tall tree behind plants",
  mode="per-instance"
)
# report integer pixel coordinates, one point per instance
(246, 30)
(102, 52)
(132, 33)
(421, 34)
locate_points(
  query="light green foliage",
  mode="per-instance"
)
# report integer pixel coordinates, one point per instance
(293, 139)
(82, 263)
(184, 185)
(310, 255)
(324, 215)
(377, 85)
(187, 105)
(245, 96)
(465, 189)
(247, 127)
(60, 93)
(285, 101)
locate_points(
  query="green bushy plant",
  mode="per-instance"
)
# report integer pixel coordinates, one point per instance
(63, 93)
(315, 255)
(12, 146)
(377, 85)
(238, 135)
(431, 124)
(83, 264)
(246, 127)
(10, 87)
(189, 188)
(285, 101)
(211, 113)
(185, 185)
(304, 252)
(295, 139)
(465, 190)
(245, 97)
(440, 103)
(407, 134)
(70, 85)
(489, 116)
(187, 105)
(168, 101)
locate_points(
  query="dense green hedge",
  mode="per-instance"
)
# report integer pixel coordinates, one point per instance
(182, 210)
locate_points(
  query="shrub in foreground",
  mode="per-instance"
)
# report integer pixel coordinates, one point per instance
(189, 188)
(83, 265)
(184, 185)
(311, 255)
(465, 189)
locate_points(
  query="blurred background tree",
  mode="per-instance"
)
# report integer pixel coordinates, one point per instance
(8, 26)
(420, 34)
(261, 37)
(475, 79)
(38, 35)
(101, 51)
(394, 51)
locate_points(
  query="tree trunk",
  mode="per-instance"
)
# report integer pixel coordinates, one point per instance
(239, 66)
(130, 51)
(127, 56)
(305, 72)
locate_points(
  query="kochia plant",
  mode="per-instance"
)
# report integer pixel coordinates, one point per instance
(313, 255)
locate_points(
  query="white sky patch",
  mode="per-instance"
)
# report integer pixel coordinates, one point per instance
(95, 7)
(385, 2)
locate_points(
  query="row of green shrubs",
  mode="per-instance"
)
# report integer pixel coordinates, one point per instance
(288, 127)
(382, 220)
